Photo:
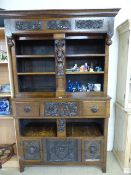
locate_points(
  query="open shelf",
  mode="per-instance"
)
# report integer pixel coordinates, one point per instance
(33, 47)
(37, 83)
(85, 46)
(85, 128)
(35, 64)
(85, 82)
(38, 128)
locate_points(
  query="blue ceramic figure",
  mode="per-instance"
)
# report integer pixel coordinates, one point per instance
(4, 107)
(98, 68)
(70, 86)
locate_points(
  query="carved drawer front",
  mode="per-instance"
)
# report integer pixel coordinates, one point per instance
(60, 109)
(92, 150)
(62, 150)
(93, 108)
(27, 109)
(31, 150)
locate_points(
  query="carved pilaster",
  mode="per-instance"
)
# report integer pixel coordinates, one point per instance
(61, 127)
(60, 56)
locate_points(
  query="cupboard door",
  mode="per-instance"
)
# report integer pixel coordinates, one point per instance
(92, 150)
(31, 150)
(62, 150)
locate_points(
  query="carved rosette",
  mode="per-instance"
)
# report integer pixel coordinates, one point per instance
(61, 125)
(61, 109)
(60, 56)
(28, 25)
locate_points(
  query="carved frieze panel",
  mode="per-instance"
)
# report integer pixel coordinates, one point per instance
(62, 150)
(89, 24)
(28, 25)
(31, 150)
(92, 150)
(55, 109)
(60, 55)
(58, 25)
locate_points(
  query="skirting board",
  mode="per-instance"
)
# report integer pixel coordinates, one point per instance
(125, 170)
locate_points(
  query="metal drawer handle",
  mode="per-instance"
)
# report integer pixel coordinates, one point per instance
(27, 109)
(94, 109)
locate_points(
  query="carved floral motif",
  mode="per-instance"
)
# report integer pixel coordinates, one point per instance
(58, 25)
(89, 24)
(28, 25)
(60, 55)
(55, 109)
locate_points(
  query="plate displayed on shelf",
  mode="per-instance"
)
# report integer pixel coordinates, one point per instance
(4, 88)
(4, 107)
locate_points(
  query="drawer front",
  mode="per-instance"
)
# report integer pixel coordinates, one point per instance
(27, 109)
(93, 150)
(61, 109)
(62, 150)
(93, 108)
(31, 150)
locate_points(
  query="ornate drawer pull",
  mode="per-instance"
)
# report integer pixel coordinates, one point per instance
(94, 109)
(27, 109)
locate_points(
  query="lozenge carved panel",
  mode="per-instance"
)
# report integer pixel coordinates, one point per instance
(64, 150)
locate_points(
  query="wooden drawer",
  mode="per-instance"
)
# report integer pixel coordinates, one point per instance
(90, 108)
(27, 109)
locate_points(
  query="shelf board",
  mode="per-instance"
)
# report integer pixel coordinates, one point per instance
(81, 73)
(5, 94)
(35, 56)
(6, 117)
(85, 55)
(3, 62)
(36, 73)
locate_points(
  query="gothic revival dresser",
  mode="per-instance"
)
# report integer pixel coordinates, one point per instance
(59, 63)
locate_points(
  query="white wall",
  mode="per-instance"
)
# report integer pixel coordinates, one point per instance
(85, 4)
